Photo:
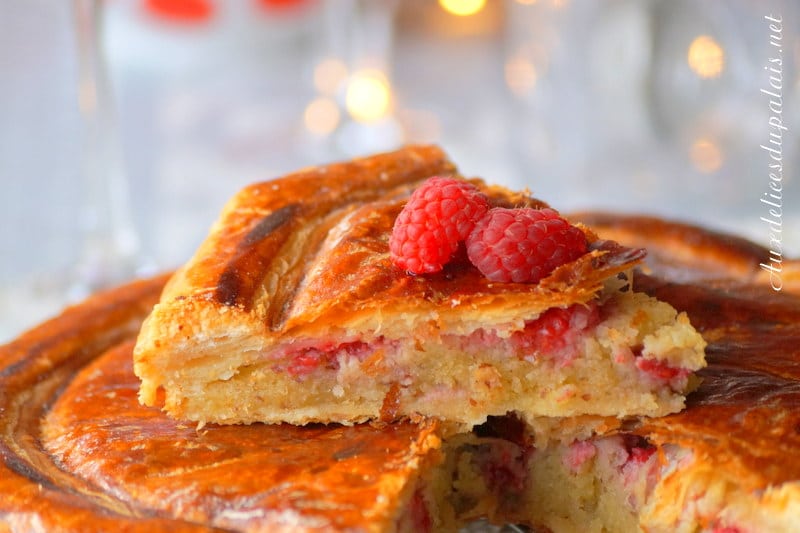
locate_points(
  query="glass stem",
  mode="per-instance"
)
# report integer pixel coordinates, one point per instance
(110, 241)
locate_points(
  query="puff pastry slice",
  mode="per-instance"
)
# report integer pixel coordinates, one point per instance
(292, 311)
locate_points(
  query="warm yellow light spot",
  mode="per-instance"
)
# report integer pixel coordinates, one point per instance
(321, 116)
(368, 96)
(329, 74)
(520, 75)
(462, 8)
(706, 57)
(706, 155)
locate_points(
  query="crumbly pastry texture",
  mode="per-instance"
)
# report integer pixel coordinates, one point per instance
(293, 311)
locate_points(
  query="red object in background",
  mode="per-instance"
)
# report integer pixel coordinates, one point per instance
(279, 4)
(191, 11)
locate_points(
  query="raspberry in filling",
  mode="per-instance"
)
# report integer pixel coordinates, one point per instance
(325, 356)
(659, 369)
(309, 360)
(578, 454)
(640, 465)
(555, 333)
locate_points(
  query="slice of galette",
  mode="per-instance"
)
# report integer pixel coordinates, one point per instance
(295, 310)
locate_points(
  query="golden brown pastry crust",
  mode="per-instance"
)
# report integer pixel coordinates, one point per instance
(34, 493)
(682, 251)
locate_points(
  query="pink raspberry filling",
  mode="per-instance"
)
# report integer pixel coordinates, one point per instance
(659, 369)
(555, 332)
(660, 372)
(577, 454)
(325, 355)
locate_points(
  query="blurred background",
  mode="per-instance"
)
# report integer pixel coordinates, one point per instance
(126, 124)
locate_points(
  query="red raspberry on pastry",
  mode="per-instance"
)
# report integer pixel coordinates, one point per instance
(523, 245)
(438, 216)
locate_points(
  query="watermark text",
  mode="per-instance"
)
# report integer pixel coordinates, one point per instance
(772, 198)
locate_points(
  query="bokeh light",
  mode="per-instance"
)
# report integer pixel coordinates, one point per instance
(321, 116)
(706, 155)
(368, 96)
(706, 57)
(462, 8)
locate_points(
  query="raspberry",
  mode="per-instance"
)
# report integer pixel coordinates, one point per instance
(659, 369)
(556, 331)
(309, 360)
(523, 245)
(325, 356)
(641, 455)
(577, 454)
(438, 216)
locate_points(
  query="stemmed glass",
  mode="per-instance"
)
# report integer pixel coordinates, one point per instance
(109, 251)
(357, 41)
(110, 242)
